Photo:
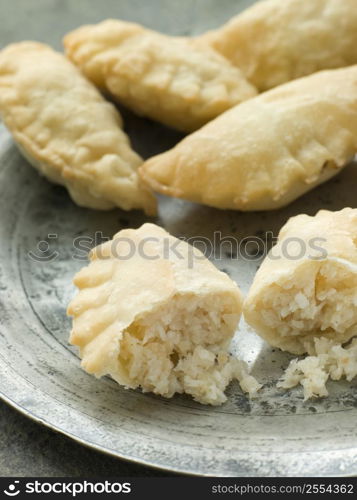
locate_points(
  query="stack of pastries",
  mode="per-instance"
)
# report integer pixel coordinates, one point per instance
(269, 101)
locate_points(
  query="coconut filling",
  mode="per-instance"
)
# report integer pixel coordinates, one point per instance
(182, 347)
(329, 360)
(318, 317)
(321, 305)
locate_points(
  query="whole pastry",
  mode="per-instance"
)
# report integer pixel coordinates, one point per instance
(268, 151)
(67, 131)
(275, 41)
(165, 78)
(306, 288)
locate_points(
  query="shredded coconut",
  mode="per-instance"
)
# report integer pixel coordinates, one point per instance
(326, 360)
(183, 348)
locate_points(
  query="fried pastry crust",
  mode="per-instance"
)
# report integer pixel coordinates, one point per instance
(164, 78)
(153, 312)
(67, 130)
(276, 41)
(306, 288)
(268, 151)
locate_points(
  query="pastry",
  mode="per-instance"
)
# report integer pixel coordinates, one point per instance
(164, 78)
(268, 151)
(153, 312)
(275, 41)
(67, 131)
(306, 287)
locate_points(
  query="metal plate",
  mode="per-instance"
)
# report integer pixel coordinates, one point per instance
(274, 434)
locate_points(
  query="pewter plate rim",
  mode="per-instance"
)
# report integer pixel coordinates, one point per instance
(40, 421)
(120, 455)
(13, 391)
(324, 462)
(144, 462)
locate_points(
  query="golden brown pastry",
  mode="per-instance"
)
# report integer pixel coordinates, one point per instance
(165, 78)
(67, 130)
(268, 151)
(275, 41)
(154, 313)
(307, 285)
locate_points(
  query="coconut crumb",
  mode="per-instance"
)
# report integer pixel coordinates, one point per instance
(183, 347)
(326, 360)
(205, 376)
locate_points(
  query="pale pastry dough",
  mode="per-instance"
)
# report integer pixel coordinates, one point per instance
(267, 151)
(67, 130)
(275, 41)
(165, 78)
(307, 285)
(154, 313)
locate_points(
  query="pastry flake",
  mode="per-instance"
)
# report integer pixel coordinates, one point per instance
(153, 312)
(67, 130)
(268, 151)
(306, 287)
(165, 78)
(275, 41)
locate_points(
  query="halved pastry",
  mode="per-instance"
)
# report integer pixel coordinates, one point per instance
(306, 287)
(268, 151)
(165, 78)
(66, 130)
(275, 41)
(153, 312)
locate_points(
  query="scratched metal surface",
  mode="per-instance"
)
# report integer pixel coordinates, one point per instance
(274, 434)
